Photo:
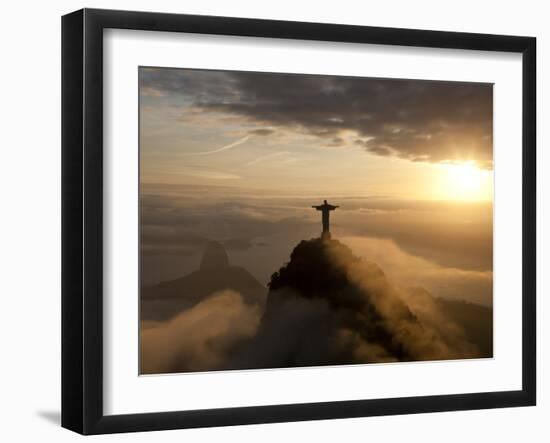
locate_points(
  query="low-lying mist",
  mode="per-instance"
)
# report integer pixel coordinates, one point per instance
(326, 306)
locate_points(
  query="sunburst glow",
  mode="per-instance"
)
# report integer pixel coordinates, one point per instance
(465, 181)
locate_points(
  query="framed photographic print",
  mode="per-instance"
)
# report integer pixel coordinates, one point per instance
(269, 221)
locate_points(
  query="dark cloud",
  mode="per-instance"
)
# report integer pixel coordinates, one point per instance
(432, 121)
(262, 131)
(196, 84)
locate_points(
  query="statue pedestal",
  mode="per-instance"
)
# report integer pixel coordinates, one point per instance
(325, 235)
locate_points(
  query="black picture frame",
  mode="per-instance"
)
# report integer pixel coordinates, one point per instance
(82, 219)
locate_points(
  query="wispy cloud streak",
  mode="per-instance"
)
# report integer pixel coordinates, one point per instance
(222, 149)
(266, 157)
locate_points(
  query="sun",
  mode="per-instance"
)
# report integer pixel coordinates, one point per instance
(465, 181)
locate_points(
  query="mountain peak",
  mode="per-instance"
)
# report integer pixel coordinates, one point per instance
(214, 256)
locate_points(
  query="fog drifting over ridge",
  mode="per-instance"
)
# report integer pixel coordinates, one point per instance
(325, 306)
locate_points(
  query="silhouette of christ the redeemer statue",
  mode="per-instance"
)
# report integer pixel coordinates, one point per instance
(325, 208)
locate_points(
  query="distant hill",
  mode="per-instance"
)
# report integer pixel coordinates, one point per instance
(475, 321)
(166, 299)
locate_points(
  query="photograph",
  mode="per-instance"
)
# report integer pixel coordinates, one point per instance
(299, 220)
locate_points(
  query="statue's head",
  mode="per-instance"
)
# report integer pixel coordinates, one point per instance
(325, 201)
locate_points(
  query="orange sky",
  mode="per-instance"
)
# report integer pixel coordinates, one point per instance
(402, 139)
(240, 158)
